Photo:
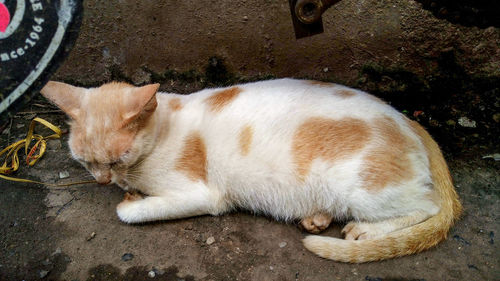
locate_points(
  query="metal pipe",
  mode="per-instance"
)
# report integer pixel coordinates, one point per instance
(310, 11)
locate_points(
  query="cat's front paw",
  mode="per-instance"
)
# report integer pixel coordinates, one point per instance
(131, 196)
(127, 211)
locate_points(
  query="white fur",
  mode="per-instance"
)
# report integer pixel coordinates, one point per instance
(265, 181)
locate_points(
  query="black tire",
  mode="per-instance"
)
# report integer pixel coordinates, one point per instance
(39, 33)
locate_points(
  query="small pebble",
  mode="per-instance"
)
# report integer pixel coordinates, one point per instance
(495, 156)
(57, 252)
(496, 117)
(92, 235)
(158, 271)
(127, 257)
(466, 122)
(325, 69)
(210, 240)
(63, 174)
(271, 268)
(152, 274)
(245, 18)
(433, 123)
(43, 273)
(283, 244)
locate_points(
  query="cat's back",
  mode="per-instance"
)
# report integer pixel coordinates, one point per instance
(287, 101)
(277, 117)
(277, 109)
(293, 97)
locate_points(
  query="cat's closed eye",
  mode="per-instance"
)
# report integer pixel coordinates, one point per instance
(125, 157)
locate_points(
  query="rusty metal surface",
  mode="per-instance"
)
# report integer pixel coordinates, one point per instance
(302, 29)
(306, 16)
(310, 11)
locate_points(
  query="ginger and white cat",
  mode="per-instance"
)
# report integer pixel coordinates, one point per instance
(291, 149)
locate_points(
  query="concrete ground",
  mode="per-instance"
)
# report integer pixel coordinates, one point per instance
(74, 233)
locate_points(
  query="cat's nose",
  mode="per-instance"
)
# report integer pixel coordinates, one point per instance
(102, 176)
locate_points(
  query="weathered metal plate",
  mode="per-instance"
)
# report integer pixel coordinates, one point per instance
(302, 29)
(35, 36)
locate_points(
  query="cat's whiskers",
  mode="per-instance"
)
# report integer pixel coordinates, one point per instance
(133, 167)
(133, 173)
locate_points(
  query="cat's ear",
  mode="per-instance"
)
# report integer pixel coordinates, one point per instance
(141, 103)
(66, 97)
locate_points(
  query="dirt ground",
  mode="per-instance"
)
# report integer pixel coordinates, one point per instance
(444, 75)
(74, 233)
(148, 41)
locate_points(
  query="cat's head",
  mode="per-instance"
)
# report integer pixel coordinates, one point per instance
(105, 125)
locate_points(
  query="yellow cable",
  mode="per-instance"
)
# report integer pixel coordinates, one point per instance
(31, 155)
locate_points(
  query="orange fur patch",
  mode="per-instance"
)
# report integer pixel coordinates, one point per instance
(175, 104)
(320, 83)
(388, 163)
(345, 93)
(222, 98)
(193, 160)
(327, 139)
(246, 136)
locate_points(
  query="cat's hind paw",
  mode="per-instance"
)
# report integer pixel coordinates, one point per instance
(316, 223)
(361, 231)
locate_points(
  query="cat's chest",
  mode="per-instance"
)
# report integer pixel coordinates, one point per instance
(146, 178)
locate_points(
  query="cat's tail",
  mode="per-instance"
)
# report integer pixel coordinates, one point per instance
(408, 240)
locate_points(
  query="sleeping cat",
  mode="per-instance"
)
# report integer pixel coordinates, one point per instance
(291, 149)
